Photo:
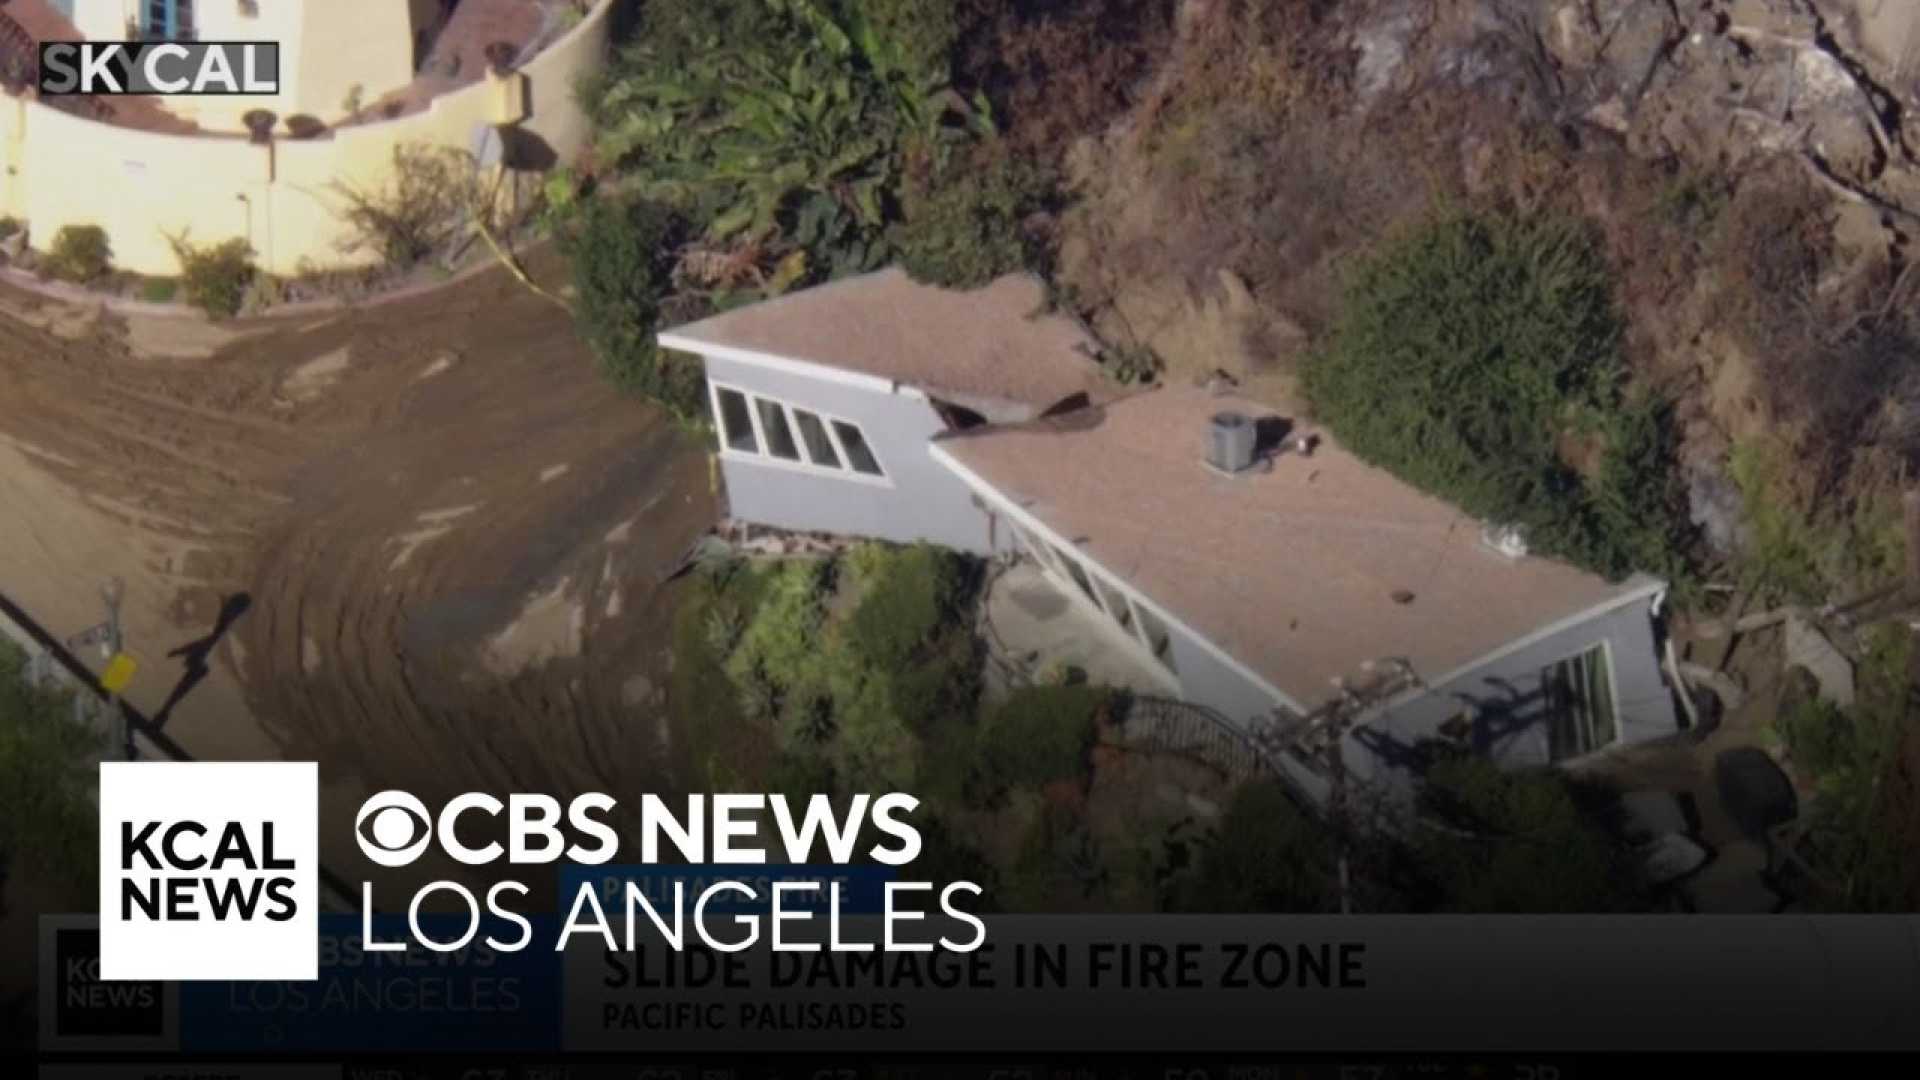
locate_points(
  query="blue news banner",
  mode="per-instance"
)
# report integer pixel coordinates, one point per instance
(472, 999)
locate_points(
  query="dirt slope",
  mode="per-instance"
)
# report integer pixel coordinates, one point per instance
(437, 535)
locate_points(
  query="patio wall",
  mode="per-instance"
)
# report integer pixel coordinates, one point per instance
(57, 169)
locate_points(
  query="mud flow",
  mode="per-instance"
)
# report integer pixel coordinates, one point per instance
(421, 543)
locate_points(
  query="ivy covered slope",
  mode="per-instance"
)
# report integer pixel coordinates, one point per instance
(1476, 356)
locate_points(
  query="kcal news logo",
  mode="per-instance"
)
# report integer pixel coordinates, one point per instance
(209, 870)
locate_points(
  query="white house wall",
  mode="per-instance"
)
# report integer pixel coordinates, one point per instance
(1510, 727)
(925, 500)
(919, 500)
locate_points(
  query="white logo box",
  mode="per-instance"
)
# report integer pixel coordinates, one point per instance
(214, 795)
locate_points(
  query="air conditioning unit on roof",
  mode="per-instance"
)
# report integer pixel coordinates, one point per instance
(1230, 442)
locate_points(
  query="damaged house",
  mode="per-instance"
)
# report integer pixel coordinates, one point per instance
(1315, 602)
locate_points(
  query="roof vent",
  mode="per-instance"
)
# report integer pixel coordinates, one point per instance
(1230, 442)
(1507, 540)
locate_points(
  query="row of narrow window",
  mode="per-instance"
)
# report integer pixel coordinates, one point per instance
(751, 424)
(1137, 620)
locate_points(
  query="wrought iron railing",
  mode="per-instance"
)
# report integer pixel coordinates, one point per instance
(1200, 734)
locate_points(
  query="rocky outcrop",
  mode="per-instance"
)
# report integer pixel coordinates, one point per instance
(1832, 82)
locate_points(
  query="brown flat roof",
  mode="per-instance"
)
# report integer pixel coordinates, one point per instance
(994, 344)
(1292, 572)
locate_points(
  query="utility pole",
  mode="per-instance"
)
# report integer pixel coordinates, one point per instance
(120, 667)
(112, 593)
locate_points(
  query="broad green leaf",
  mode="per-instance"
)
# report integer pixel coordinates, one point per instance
(789, 272)
(733, 220)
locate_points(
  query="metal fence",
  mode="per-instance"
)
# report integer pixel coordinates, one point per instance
(1184, 729)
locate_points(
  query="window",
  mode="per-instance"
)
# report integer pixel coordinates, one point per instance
(1116, 604)
(1578, 694)
(773, 422)
(1136, 621)
(736, 423)
(170, 20)
(764, 426)
(814, 433)
(1154, 633)
(1078, 573)
(859, 455)
(1036, 548)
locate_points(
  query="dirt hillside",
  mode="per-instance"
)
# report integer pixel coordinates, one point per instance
(421, 543)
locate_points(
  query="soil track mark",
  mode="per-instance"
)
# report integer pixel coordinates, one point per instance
(294, 464)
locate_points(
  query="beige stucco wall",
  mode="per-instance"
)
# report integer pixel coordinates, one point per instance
(327, 47)
(103, 20)
(57, 169)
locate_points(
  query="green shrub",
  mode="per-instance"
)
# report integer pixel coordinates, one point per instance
(215, 277)
(1819, 735)
(778, 663)
(46, 771)
(1060, 863)
(1265, 855)
(912, 40)
(967, 225)
(1808, 549)
(1864, 822)
(427, 196)
(906, 595)
(781, 132)
(159, 290)
(802, 776)
(1519, 842)
(1043, 733)
(722, 745)
(9, 226)
(1477, 358)
(80, 254)
(751, 119)
(850, 666)
(953, 772)
(945, 855)
(621, 256)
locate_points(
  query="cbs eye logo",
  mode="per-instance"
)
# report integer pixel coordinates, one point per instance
(393, 828)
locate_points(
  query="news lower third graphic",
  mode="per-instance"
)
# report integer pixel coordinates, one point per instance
(210, 940)
(1046, 984)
